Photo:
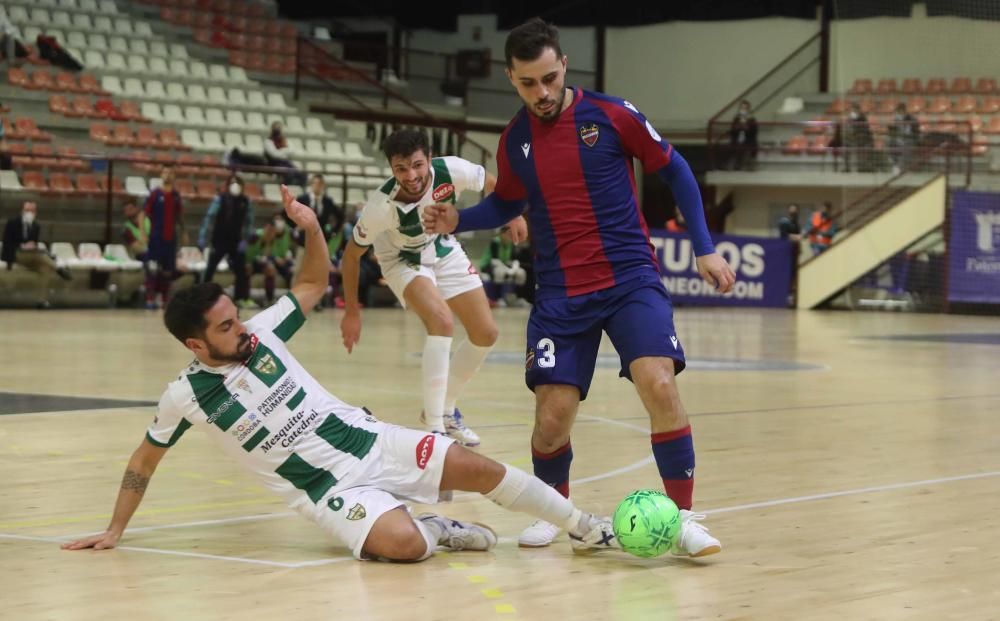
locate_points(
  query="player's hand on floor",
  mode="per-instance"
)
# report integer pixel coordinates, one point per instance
(103, 541)
(302, 216)
(716, 272)
(350, 330)
(440, 218)
(518, 229)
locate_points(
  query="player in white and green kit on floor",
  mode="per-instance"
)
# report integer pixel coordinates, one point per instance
(333, 462)
(429, 274)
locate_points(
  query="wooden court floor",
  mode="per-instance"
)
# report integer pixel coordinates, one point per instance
(849, 476)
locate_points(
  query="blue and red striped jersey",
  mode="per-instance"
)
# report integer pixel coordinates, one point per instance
(577, 176)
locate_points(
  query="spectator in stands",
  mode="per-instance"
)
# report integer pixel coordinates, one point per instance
(8, 39)
(904, 134)
(501, 271)
(322, 204)
(743, 138)
(21, 246)
(166, 214)
(822, 229)
(677, 224)
(859, 141)
(270, 253)
(135, 232)
(277, 153)
(230, 218)
(788, 224)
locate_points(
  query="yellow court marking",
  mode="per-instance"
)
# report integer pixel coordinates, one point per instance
(505, 609)
(165, 510)
(458, 565)
(493, 593)
(477, 579)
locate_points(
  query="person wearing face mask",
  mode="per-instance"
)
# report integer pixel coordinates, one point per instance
(166, 214)
(270, 253)
(21, 246)
(278, 154)
(743, 138)
(230, 220)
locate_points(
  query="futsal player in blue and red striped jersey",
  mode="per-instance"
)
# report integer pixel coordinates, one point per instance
(567, 155)
(164, 209)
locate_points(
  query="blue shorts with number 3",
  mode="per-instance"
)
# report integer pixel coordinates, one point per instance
(564, 334)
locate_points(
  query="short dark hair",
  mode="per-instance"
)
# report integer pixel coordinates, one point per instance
(315, 177)
(405, 143)
(185, 312)
(529, 40)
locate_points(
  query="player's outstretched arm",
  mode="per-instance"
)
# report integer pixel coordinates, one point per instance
(492, 212)
(310, 286)
(139, 470)
(350, 269)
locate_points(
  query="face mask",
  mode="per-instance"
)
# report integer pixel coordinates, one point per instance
(28, 217)
(854, 115)
(279, 226)
(234, 189)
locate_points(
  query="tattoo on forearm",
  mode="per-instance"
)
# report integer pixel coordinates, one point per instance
(135, 482)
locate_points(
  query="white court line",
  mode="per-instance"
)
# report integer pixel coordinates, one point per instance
(852, 492)
(232, 520)
(214, 557)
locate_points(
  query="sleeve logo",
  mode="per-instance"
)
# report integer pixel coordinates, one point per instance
(443, 191)
(652, 132)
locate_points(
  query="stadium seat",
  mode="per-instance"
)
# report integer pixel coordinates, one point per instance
(986, 86)
(256, 122)
(91, 256)
(796, 145)
(861, 87)
(121, 135)
(94, 59)
(191, 259)
(100, 132)
(34, 180)
(145, 137)
(939, 105)
(254, 144)
(194, 115)
(964, 105)
(186, 187)
(214, 118)
(197, 94)
(115, 62)
(886, 86)
(993, 127)
(192, 139)
(151, 110)
(88, 185)
(10, 182)
(915, 105)
(234, 140)
(118, 44)
(130, 111)
(353, 152)
(961, 85)
(198, 70)
(66, 255)
(887, 105)
(911, 86)
(256, 99)
(936, 86)
(136, 186)
(989, 105)
(154, 90)
(212, 141)
(169, 139)
(207, 189)
(40, 81)
(18, 77)
(103, 23)
(58, 104)
(314, 126)
(175, 91)
(89, 84)
(26, 126)
(65, 82)
(60, 183)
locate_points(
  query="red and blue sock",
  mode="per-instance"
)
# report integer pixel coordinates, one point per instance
(674, 454)
(553, 468)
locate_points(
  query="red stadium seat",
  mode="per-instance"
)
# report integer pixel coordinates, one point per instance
(66, 82)
(187, 188)
(26, 127)
(130, 111)
(994, 126)
(936, 86)
(41, 81)
(207, 188)
(60, 183)
(861, 87)
(887, 86)
(58, 104)
(34, 180)
(146, 137)
(121, 135)
(796, 145)
(939, 105)
(88, 185)
(819, 145)
(986, 86)
(100, 132)
(915, 105)
(89, 84)
(18, 77)
(887, 105)
(961, 85)
(964, 105)
(989, 105)
(911, 86)
(41, 156)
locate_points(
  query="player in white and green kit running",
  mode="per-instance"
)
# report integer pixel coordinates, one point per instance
(429, 274)
(332, 462)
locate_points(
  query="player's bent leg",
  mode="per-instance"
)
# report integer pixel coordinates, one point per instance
(396, 537)
(673, 449)
(473, 310)
(551, 452)
(422, 296)
(517, 490)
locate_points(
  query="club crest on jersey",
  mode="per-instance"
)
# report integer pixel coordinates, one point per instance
(357, 512)
(443, 191)
(589, 134)
(266, 365)
(244, 385)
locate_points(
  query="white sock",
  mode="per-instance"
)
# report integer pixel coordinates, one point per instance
(435, 370)
(464, 364)
(519, 491)
(431, 536)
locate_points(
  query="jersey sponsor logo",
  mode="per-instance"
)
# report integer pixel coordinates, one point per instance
(589, 134)
(673, 341)
(526, 147)
(222, 409)
(289, 435)
(425, 448)
(276, 398)
(360, 230)
(443, 191)
(357, 512)
(243, 430)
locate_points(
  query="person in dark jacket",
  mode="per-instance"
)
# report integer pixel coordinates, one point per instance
(230, 218)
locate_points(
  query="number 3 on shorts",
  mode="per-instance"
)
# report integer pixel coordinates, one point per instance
(546, 353)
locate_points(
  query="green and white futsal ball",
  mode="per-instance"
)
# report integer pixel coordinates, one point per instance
(647, 523)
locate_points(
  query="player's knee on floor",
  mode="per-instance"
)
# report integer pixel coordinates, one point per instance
(401, 542)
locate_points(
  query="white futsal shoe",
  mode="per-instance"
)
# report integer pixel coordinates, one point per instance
(454, 428)
(601, 536)
(538, 535)
(694, 540)
(457, 535)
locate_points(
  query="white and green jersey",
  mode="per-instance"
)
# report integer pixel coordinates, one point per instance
(395, 227)
(268, 413)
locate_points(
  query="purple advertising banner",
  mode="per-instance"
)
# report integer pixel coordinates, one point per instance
(762, 267)
(974, 248)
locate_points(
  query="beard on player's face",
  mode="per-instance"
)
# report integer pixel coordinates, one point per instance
(241, 352)
(548, 108)
(541, 84)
